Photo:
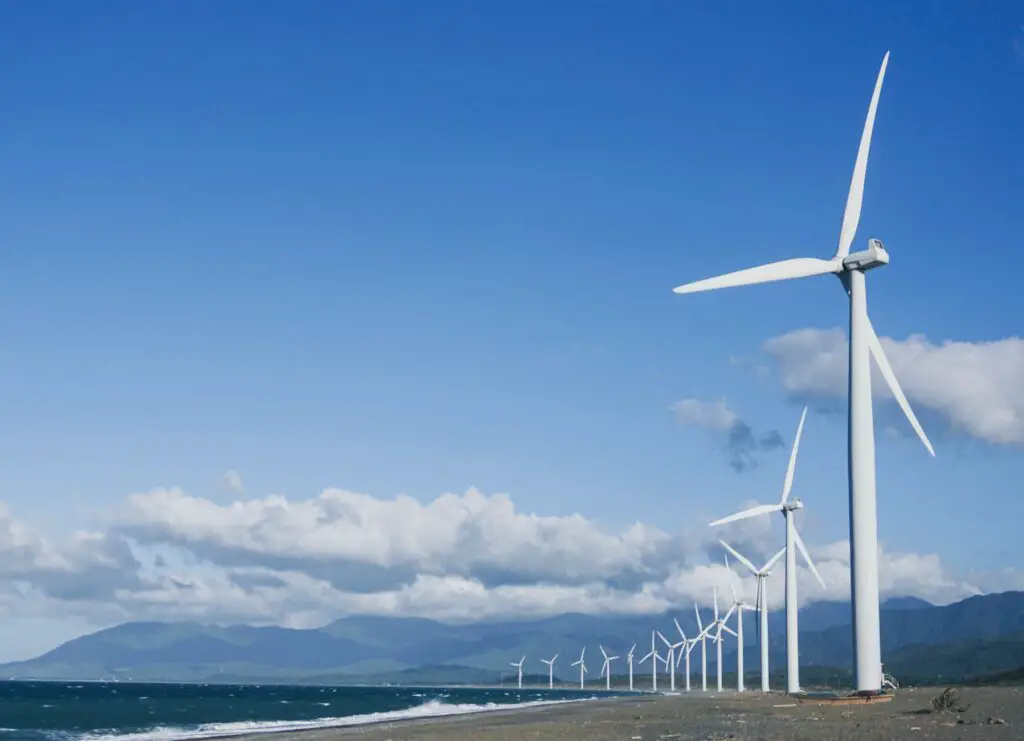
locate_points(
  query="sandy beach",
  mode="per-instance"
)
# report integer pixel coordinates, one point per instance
(995, 714)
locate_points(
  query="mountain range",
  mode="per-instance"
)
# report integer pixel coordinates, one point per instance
(921, 642)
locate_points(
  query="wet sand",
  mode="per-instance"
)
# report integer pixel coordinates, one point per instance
(994, 714)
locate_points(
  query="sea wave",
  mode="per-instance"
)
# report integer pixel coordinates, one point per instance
(429, 709)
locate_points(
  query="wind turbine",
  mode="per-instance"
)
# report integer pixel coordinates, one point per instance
(671, 659)
(787, 508)
(629, 660)
(606, 668)
(688, 645)
(719, 623)
(761, 602)
(581, 665)
(519, 665)
(739, 606)
(551, 670)
(864, 344)
(655, 658)
(702, 636)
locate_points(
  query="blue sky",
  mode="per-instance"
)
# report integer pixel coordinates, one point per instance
(406, 247)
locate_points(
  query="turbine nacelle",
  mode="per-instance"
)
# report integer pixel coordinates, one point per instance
(873, 257)
(792, 506)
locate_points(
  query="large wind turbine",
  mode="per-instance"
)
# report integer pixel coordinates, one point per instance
(581, 665)
(863, 344)
(719, 623)
(629, 660)
(606, 668)
(761, 603)
(519, 665)
(551, 670)
(787, 508)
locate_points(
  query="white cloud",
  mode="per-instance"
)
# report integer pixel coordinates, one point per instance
(232, 480)
(709, 415)
(977, 387)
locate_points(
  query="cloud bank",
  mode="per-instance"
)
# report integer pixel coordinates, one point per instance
(167, 554)
(738, 440)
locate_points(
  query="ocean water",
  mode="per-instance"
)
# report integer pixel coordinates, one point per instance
(120, 711)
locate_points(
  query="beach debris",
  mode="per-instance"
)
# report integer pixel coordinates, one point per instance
(996, 722)
(948, 701)
(785, 705)
(846, 714)
(915, 728)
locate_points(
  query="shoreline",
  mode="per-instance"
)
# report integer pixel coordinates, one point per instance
(342, 729)
(698, 715)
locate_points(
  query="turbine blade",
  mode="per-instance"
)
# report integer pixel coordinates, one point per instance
(774, 559)
(716, 602)
(807, 556)
(760, 509)
(890, 378)
(791, 468)
(729, 614)
(729, 630)
(741, 558)
(800, 267)
(851, 218)
(700, 625)
(664, 639)
(679, 628)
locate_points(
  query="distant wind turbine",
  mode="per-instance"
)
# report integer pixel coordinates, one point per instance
(581, 665)
(606, 668)
(761, 602)
(655, 658)
(551, 670)
(739, 606)
(864, 344)
(702, 636)
(671, 659)
(629, 660)
(720, 624)
(787, 508)
(688, 645)
(519, 665)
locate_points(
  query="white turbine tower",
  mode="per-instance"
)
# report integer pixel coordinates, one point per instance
(739, 606)
(864, 344)
(606, 668)
(719, 623)
(761, 603)
(629, 660)
(581, 665)
(519, 665)
(702, 636)
(655, 658)
(671, 658)
(787, 508)
(551, 670)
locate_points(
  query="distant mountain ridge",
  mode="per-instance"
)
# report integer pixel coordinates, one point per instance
(981, 635)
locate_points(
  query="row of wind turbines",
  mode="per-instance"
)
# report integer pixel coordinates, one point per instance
(679, 651)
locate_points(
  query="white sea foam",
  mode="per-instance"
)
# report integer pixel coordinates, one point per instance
(430, 709)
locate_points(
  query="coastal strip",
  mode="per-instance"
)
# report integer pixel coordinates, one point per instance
(997, 712)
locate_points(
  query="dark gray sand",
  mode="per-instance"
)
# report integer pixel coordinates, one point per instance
(993, 714)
